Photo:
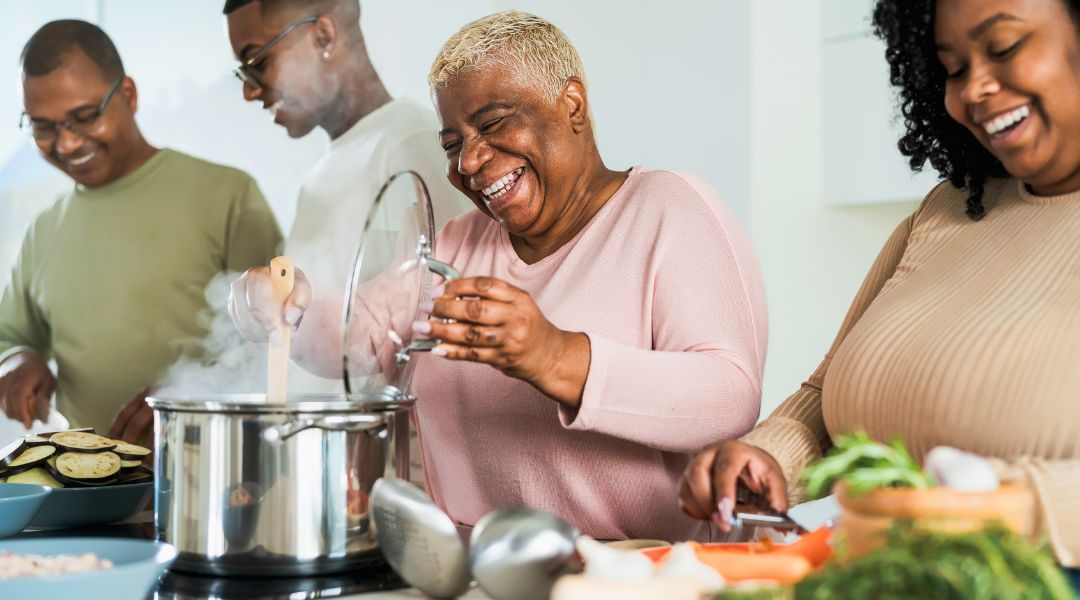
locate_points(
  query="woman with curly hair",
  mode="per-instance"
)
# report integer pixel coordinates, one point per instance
(966, 332)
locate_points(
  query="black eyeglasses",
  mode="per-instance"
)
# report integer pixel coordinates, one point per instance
(245, 72)
(81, 121)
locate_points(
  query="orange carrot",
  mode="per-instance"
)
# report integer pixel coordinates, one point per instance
(814, 546)
(739, 566)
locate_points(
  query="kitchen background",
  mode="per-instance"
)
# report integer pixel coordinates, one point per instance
(783, 105)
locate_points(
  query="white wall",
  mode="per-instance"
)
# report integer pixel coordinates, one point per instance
(814, 254)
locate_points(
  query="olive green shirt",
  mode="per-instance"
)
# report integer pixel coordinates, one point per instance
(110, 281)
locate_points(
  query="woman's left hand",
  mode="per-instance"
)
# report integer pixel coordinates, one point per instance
(500, 325)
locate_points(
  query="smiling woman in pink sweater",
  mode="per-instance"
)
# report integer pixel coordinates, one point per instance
(609, 324)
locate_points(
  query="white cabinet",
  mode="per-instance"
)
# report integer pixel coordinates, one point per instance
(861, 123)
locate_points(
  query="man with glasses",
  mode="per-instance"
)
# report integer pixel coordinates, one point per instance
(306, 62)
(110, 280)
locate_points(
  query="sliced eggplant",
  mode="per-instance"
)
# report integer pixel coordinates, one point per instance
(130, 466)
(36, 440)
(34, 456)
(77, 441)
(89, 468)
(128, 451)
(12, 451)
(35, 476)
(135, 477)
(49, 434)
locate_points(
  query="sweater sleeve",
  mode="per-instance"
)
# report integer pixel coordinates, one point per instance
(795, 433)
(699, 378)
(22, 326)
(1056, 485)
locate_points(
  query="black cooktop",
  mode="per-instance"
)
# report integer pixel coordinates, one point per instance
(183, 586)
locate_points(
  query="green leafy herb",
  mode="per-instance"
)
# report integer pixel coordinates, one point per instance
(864, 465)
(992, 564)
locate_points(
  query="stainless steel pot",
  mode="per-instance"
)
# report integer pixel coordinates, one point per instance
(250, 488)
(246, 487)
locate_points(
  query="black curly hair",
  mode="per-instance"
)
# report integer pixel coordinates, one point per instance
(907, 28)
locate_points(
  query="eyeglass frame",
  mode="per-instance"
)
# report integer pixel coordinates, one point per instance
(26, 122)
(243, 71)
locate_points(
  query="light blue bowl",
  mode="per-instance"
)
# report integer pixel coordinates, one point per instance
(137, 566)
(19, 502)
(82, 507)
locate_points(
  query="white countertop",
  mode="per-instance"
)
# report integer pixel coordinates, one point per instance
(410, 594)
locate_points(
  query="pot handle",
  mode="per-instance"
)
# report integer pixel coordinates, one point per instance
(279, 433)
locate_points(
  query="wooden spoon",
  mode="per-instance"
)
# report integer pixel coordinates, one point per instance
(277, 355)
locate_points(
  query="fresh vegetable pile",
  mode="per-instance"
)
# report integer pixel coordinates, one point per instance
(993, 564)
(864, 465)
(77, 458)
(916, 561)
(784, 563)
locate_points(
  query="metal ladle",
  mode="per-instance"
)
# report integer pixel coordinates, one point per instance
(419, 541)
(518, 553)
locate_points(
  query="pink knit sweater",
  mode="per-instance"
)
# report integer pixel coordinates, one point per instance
(664, 283)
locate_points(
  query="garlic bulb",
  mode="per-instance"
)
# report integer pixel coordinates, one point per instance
(602, 562)
(961, 471)
(683, 564)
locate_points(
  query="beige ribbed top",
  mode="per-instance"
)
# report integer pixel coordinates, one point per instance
(966, 334)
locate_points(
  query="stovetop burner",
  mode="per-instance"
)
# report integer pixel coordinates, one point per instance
(184, 586)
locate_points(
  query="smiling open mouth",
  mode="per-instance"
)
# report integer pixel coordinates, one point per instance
(82, 160)
(1005, 123)
(502, 186)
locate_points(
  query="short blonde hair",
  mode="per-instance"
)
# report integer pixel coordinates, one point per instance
(546, 57)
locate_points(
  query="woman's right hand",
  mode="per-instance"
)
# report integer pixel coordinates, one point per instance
(707, 487)
(253, 309)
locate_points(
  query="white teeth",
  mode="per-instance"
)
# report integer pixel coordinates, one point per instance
(498, 189)
(1006, 120)
(273, 108)
(82, 160)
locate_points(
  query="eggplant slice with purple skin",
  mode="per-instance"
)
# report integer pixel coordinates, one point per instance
(36, 440)
(49, 434)
(36, 476)
(77, 441)
(129, 452)
(12, 451)
(88, 468)
(34, 456)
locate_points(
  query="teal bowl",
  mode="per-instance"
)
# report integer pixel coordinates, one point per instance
(19, 502)
(83, 507)
(137, 567)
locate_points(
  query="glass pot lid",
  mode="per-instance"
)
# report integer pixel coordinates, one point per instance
(393, 272)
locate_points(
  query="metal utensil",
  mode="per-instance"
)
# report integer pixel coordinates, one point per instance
(518, 553)
(778, 522)
(761, 515)
(419, 541)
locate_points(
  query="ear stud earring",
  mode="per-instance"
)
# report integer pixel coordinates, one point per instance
(326, 55)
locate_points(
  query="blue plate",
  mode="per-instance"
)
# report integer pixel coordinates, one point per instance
(137, 566)
(19, 502)
(80, 507)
